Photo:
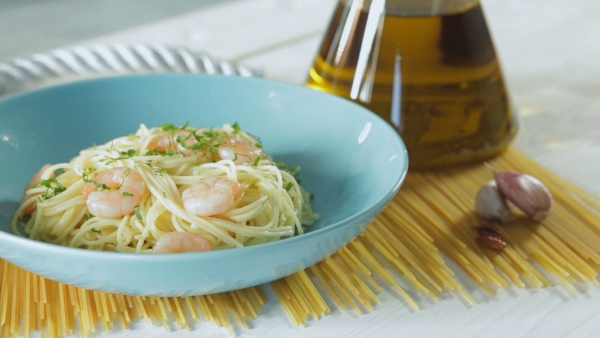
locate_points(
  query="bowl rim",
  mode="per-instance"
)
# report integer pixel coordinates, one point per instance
(378, 204)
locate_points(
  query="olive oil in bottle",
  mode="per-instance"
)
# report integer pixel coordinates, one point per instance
(428, 69)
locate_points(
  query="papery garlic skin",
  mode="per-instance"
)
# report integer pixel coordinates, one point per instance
(526, 192)
(491, 205)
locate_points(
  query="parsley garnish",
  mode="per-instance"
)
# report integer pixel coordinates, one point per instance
(171, 127)
(130, 245)
(166, 152)
(86, 178)
(137, 212)
(160, 171)
(256, 161)
(102, 186)
(125, 193)
(167, 127)
(53, 188)
(125, 174)
(124, 155)
(164, 194)
(289, 186)
(294, 171)
(236, 128)
(36, 183)
(87, 217)
(94, 230)
(258, 145)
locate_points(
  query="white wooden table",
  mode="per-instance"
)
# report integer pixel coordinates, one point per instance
(551, 61)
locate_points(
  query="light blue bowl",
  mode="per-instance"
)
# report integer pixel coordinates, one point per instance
(351, 160)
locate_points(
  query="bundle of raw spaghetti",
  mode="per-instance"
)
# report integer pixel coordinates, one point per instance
(217, 184)
(432, 215)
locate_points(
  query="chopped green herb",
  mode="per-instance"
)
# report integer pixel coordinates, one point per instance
(125, 174)
(236, 128)
(87, 217)
(167, 127)
(289, 186)
(94, 230)
(36, 183)
(137, 212)
(160, 171)
(181, 139)
(164, 194)
(53, 188)
(212, 134)
(166, 152)
(294, 171)
(124, 155)
(127, 194)
(256, 160)
(258, 145)
(86, 178)
(130, 245)
(130, 153)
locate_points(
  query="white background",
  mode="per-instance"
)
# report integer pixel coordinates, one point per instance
(551, 60)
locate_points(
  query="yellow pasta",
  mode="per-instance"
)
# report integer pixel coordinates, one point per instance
(431, 216)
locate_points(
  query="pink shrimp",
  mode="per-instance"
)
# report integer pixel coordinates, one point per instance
(126, 188)
(31, 207)
(238, 150)
(175, 242)
(168, 141)
(210, 196)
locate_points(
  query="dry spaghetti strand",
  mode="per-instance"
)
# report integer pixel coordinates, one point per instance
(430, 217)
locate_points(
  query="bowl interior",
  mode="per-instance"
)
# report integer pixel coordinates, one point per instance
(350, 158)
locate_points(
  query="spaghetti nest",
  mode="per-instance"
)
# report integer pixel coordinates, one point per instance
(158, 176)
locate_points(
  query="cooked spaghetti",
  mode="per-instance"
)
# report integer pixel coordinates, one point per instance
(216, 186)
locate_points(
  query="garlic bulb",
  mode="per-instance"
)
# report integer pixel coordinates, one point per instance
(526, 192)
(490, 205)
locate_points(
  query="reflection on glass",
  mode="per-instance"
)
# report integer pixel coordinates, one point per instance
(428, 67)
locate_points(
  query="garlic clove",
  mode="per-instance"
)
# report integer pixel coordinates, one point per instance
(491, 205)
(526, 192)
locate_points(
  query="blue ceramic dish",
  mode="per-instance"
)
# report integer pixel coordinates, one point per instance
(351, 160)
